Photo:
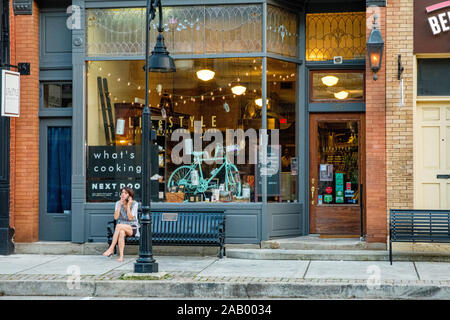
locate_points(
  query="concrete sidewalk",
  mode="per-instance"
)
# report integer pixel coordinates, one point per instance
(210, 277)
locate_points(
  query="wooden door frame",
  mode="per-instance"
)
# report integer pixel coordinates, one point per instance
(336, 117)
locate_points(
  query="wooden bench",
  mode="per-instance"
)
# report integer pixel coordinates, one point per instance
(418, 226)
(185, 228)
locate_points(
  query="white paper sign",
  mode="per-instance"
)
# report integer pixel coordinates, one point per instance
(10, 103)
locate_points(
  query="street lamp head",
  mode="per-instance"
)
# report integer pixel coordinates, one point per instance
(375, 46)
(160, 60)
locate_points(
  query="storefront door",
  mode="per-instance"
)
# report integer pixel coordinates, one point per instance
(432, 152)
(55, 180)
(336, 172)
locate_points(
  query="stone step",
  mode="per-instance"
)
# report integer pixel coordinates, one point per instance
(316, 243)
(97, 248)
(333, 255)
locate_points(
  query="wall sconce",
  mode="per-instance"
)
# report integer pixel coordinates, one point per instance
(375, 46)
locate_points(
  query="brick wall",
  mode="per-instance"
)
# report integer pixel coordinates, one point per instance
(12, 121)
(376, 143)
(25, 129)
(399, 119)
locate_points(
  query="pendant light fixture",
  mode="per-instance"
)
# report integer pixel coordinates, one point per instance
(341, 95)
(238, 89)
(205, 74)
(330, 81)
(259, 102)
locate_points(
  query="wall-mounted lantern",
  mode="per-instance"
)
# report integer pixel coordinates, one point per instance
(375, 46)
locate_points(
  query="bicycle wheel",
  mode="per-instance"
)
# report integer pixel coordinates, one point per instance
(234, 180)
(181, 177)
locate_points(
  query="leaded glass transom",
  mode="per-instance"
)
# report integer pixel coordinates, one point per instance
(282, 31)
(335, 34)
(187, 30)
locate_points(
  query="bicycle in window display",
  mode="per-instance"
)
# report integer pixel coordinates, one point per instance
(191, 178)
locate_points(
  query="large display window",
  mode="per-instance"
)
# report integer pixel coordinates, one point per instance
(206, 117)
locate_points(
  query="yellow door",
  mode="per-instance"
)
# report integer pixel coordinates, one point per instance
(432, 149)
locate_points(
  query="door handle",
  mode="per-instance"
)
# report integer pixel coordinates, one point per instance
(443, 176)
(312, 194)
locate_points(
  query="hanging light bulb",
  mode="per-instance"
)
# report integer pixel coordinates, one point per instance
(341, 95)
(259, 102)
(238, 90)
(205, 74)
(330, 80)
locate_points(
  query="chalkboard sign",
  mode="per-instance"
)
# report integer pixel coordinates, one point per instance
(271, 168)
(110, 168)
(114, 161)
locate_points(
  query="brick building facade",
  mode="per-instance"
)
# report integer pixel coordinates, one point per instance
(389, 127)
(24, 167)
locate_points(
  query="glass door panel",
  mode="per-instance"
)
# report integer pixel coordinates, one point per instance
(338, 163)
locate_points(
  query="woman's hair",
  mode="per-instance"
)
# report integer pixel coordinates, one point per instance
(128, 190)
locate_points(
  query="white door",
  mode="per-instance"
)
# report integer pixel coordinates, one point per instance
(432, 149)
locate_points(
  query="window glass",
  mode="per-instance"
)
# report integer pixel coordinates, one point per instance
(281, 118)
(282, 31)
(57, 95)
(335, 34)
(187, 30)
(337, 86)
(338, 158)
(432, 77)
(207, 104)
(59, 175)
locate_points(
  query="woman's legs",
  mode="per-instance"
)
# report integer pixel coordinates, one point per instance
(121, 244)
(128, 232)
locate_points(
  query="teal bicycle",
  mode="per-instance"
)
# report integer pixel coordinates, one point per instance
(192, 179)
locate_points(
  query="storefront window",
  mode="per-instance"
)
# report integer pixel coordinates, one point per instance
(338, 163)
(340, 34)
(337, 86)
(188, 108)
(281, 116)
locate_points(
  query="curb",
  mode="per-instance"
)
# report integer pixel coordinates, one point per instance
(310, 289)
(332, 255)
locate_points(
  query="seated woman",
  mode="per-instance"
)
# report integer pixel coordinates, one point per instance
(127, 221)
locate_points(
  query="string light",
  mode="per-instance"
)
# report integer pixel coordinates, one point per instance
(205, 95)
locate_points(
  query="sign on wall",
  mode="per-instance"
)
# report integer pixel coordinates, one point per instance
(431, 26)
(110, 168)
(10, 103)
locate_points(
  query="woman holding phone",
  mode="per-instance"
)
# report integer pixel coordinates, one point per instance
(127, 221)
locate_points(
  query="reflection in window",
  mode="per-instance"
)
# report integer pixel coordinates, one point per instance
(187, 30)
(281, 115)
(57, 95)
(338, 163)
(282, 31)
(337, 86)
(335, 34)
(228, 100)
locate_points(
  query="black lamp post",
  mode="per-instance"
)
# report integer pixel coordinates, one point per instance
(160, 61)
(375, 46)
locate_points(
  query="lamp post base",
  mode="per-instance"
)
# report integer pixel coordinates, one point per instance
(146, 267)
